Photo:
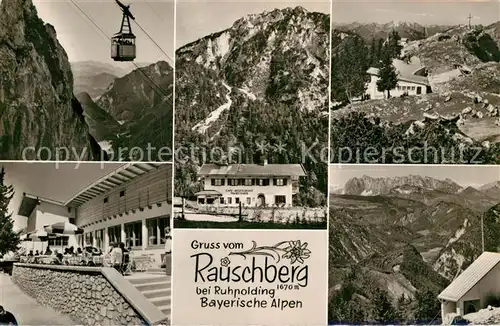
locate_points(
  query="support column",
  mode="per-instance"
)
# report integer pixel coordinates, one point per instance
(123, 236)
(106, 239)
(144, 234)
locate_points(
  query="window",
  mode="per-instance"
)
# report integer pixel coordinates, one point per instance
(249, 200)
(201, 200)
(232, 182)
(69, 209)
(229, 200)
(115, 234)
(105, 200)
(222, 200)
(241, 182)
(413, 88)
(59, 241)
(210, 201)
(279, 200)
(99, 239)
(237, 200)
(156, 229)
(219, 182)
(122, 193)
(89, 239)
(248, 182)
(279, 182)
(261, 182)
(133, 234)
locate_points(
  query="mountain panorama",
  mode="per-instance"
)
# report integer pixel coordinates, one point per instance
(43, 105)
(264, 79)
(403, 240)
(444, 96)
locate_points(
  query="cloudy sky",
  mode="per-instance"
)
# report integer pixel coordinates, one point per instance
(196, 19)
(423, 11)
(465, 175)
(49, 181)
(83, 41)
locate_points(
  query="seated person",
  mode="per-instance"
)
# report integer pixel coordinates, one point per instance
(30, 254)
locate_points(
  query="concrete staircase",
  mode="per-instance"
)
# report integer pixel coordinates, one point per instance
(155, 287)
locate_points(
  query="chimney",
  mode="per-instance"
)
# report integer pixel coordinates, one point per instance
(265, 162)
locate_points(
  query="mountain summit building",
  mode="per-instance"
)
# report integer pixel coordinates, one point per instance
(254, 185)
(412, 80)
(132, 204)
(469, 292)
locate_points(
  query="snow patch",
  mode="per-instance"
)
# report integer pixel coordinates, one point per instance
(202, 127)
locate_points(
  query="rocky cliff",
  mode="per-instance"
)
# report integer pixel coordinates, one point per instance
(37, 105)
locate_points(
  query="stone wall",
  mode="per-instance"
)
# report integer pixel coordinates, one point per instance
(87, 297)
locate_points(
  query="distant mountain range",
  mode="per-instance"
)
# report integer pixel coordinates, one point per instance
(407, 235)
(409, 30)
(93, 77)
(135, 110)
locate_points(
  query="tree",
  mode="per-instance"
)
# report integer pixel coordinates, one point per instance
(428, 306)
(388, 78)
(393, 47)
(348, 70)
(382, 309)
(373, 53)
(9, 240)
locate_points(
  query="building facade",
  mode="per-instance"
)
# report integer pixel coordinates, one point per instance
(252, 185)
(469, 292)
(132, 204)
(412, 80)
(41, 212)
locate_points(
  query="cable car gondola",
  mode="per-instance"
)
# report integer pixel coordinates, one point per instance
(123, 42)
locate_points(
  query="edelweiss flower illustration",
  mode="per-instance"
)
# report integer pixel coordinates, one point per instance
(296, 251)
(224, 262)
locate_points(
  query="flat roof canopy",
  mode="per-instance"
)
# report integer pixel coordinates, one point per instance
(114, 179)
(29, 202)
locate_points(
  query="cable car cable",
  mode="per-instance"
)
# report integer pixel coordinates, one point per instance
(152, 40)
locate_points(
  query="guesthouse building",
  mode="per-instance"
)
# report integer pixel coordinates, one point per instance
(412, 80)
(251, 185)
(469, 292)
(132, 204)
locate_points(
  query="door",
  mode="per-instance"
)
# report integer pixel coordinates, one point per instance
(419, 90)
(261, 200)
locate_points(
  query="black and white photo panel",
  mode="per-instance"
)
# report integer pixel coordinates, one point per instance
(415, 82)
(252, 113)
(85, 243)
(414, 244)
(70, 78)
